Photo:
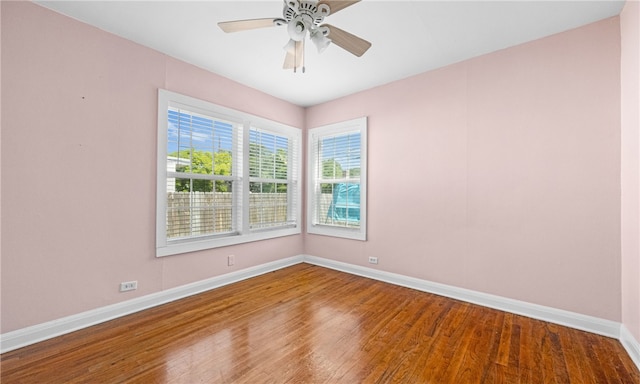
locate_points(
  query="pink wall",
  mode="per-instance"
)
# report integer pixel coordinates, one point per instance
(509, 164)
(500, 174)
(78, 167)
(630, 81)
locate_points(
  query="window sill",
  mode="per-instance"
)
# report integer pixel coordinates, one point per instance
(346, 233)
(199, 245)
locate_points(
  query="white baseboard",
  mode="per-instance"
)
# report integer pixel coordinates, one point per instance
(557, 316)
(40, 332)
(630, 344)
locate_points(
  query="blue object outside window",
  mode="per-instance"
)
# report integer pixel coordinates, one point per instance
(345, 205)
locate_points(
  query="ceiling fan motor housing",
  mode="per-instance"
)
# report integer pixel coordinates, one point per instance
(303, 16)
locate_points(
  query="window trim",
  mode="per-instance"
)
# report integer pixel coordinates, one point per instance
(245, 122)
(359, 125)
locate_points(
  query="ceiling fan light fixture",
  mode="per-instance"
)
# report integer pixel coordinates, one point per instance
(297, 29)
(320, 40)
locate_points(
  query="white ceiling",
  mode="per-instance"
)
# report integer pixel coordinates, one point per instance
(408, 37)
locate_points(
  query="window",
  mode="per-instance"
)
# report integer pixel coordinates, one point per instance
(337, 180)
(224, 177)
(269, 183)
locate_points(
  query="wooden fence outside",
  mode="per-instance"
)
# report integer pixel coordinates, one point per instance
(205, 213)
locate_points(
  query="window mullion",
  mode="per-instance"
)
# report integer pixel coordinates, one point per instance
(267, 180)
(198, 176)
(245, 179)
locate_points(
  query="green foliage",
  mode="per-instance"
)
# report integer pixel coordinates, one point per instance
(265, 164)
(204, 163)
(331, 169)
(222, 166)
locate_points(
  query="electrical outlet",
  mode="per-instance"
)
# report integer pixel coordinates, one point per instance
(231, 260)
(373, 260)
(128, 286)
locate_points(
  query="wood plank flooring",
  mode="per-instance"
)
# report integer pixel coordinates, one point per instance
(307, 324)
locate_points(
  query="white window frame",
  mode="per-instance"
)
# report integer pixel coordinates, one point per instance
(244, 121)
(356, 125)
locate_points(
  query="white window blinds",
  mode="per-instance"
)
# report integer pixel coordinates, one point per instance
(201, 177)
(273, 175)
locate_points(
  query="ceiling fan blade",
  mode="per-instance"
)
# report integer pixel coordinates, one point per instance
(337, 5)
(294, 59)
(245, 25)
(347, 41)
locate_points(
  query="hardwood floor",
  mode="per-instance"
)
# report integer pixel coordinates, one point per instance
(307, 324)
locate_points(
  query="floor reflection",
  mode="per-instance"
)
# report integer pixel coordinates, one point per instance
(306, 340)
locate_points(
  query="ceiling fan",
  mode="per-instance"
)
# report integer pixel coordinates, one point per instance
(302, 17)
